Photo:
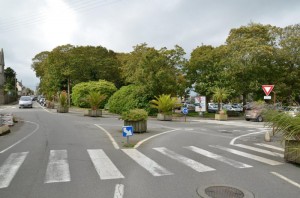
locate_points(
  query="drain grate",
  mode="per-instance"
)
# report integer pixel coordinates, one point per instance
(223, 192)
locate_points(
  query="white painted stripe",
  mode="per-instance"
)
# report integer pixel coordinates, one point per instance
(270, 146)
(286, 179)
(153, 136)
(113, 141)
(103, 165)
(234, 139)
(10, 167)
(58, 167)
(147, 163)
(259, 150)
(119, 191)
(24, 138)
(247, 155)
(220, 158)
(184, 160)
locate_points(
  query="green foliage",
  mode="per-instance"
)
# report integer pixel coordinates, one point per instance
(220, 94)
(94, 99)
(159, 71)
(135, 115)
(127, 98)
(164, 103)
(82, 90)
(283, 123)
(77, 64)
(63, 99)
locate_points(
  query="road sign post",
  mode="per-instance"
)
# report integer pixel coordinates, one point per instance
(185, 111)
(127, 131)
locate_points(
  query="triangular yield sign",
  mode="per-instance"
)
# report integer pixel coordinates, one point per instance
(267, 89)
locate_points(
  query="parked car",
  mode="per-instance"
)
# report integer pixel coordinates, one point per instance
(25, 101)
(254, 112)
(212, 108)
(292, 111)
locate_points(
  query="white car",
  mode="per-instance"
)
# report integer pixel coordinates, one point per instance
(25, 101)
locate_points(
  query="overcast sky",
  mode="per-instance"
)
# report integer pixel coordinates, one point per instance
(28, 27)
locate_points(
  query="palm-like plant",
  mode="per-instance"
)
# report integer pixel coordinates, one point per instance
(63, 99)
(94, 99)
(164, 103)
(219, 95)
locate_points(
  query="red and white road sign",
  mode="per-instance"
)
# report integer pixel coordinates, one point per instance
(267, 89)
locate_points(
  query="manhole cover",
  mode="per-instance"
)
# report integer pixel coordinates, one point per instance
(223, 192)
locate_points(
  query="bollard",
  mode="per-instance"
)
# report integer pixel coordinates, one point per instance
(267, 136)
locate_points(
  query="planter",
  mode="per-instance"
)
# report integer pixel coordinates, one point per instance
(292, 151)
(95, 113)
(138, 126)
(221, 117)
(61, 109)
(164, 117)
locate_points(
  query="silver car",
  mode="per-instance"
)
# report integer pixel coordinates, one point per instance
(25, 101)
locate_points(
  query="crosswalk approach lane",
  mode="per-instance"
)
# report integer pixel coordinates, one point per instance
(58, 170)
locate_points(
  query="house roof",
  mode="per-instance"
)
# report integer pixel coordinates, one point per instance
(2, 58)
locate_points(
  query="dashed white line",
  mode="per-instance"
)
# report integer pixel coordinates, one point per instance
(231, 162)
(119, 191)
(147, 163)
(197, 166)
(58, 167)
(10, 167)
(103, 165)
(248, 155)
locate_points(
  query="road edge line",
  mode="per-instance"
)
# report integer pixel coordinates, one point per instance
(153, 136)
(113, 141)
(24, 138)
(286, 179)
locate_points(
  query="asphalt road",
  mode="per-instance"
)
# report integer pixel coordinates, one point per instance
(51, 155)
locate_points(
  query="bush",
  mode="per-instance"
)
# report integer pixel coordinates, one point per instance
(63, 99)
(127, 98)
(135, 115)
(82, 90)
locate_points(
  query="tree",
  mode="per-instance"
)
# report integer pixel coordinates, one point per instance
(219, 95)
(159, 71)
(10, 80)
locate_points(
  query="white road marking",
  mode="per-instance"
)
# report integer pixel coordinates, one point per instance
(24, 138)
(220, 158)
(234, 139)
(270, 146)
(153, 136)
(103, 165)
(113, 141)
(119, 191)
(10, 167)
(58, 167)
(147, 163)
(247, 155)
(259, 150)
(286, 179)
(184, 160)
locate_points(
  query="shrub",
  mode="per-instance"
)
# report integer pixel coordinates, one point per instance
(82, 90)
(135, 115)
(127, 98)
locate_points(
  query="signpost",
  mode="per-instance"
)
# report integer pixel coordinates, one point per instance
(185, 111)
(267, 89)
(127, 131)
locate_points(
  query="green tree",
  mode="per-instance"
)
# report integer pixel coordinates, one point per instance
(159, 71)
(10, 80)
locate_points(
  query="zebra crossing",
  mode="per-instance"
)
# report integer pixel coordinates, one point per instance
(58, 168)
